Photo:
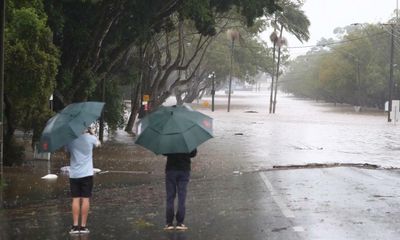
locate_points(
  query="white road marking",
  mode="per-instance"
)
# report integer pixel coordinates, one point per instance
(284, 209)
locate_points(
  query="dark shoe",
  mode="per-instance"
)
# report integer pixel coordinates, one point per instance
(181, 226)
(74, 230)
(84, 230)
(169, 227)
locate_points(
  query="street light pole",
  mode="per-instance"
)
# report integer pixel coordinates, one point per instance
(232, 35)
(212, 90)
(230, 77)
(391, 72)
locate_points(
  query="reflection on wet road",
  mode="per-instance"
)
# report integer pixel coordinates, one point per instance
(340, 203)
(304, 132)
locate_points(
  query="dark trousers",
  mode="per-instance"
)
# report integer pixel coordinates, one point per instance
(176, 183)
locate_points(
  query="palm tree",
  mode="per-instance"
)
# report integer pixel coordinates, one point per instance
(293, 20)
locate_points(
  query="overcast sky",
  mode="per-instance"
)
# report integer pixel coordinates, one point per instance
(326, 15)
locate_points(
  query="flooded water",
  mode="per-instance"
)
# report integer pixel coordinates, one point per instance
(246, 139)
(302, 132)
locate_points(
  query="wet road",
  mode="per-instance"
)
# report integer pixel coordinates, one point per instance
(235, 192)
(340, 203)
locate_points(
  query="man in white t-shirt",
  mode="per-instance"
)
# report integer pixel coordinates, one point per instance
(81, 178)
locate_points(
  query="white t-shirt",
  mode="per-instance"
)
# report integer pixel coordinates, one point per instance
(81, 150)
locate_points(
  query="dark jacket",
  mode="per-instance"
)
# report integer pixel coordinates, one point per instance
(179, 161)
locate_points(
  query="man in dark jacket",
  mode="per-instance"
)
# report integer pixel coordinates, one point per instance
(177, 174)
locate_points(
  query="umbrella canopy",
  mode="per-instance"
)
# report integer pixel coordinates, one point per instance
(176, 129)
(68, 124)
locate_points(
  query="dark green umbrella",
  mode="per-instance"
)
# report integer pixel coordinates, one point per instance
(175, 129)
(68, 124)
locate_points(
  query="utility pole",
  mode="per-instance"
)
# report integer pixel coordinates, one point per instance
(212, 90)
(232, 35)
(391, 72)
(230, 77)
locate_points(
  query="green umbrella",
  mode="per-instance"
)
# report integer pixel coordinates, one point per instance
(175, 129)
(68, 124)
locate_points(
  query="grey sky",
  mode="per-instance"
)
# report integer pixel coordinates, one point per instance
(326, 15)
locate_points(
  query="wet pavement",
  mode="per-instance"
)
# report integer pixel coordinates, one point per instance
(235, 191)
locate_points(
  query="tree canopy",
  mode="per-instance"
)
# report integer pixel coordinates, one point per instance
(353, 70)
(104, 50)
(31, 61)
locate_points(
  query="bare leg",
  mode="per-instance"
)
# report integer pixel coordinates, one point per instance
(75, 210)
(84, 211)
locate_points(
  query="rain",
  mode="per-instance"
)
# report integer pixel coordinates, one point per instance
(310, 170)
(271, 140)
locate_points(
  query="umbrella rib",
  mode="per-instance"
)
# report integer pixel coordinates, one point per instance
(185, 142)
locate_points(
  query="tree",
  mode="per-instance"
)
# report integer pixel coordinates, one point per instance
(97, 38)
(353, 70)
(251, 57)
(92, 49)
(31, 62)
(295, 22)
(90, 45)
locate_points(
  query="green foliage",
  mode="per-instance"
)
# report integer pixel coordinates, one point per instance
(203, 12)
(3, 184)
(251, 55)
(87, 84)
(114, 108)
(98, 38)
(71, 46)
(202, 15)
(294, 20)
(354, 71)
(253, 9)
(31, 62)
(95, 35)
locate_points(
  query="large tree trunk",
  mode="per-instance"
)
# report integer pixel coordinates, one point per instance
(9, 133)
(10, 126)
(191, 96)
(178, 97)
(277, 70)
(135, 104)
